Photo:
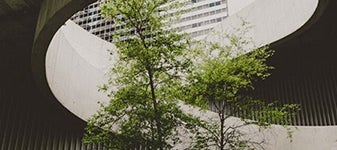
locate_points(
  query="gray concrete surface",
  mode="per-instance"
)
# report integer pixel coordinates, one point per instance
(77, 63)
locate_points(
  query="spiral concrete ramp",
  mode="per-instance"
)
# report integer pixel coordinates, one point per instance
(302, 32)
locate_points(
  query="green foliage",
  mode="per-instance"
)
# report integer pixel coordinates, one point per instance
(220, 79)
(144, 82)
(150, 78)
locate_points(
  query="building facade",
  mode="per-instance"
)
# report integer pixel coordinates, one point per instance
(200, 18)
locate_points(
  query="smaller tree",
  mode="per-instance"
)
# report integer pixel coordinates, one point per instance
(220, 79)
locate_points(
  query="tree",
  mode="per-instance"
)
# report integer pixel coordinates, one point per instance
(220, 78)
(144, 82)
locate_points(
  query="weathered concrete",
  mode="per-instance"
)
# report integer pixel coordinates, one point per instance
(269, 21)
(77, 63)
(76, 69)
(29, 120)
(9, 7)
(53, 14)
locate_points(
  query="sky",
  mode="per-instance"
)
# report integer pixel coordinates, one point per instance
(236, 5)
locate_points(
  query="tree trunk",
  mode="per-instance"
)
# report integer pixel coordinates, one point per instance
(159, 144)
(222, 126)
(155, 108)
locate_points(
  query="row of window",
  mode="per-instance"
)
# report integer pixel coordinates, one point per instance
(203, 14)
(91, 20)
(202, 23)
(101, 32)
(94, 5)
(196, 1)
(108, 30)
(88, 14)
(217, 3)
(109, 37)
(201, 32)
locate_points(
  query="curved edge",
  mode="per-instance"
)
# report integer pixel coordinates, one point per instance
(321, 7)
(53, 14)
(76, 64)
(273, 21)
(52, 17)
(317, 137)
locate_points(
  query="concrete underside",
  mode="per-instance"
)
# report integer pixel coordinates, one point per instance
(9, 7)
(29, 119)
(306, 73)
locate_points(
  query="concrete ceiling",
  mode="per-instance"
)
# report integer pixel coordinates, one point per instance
(15, 6)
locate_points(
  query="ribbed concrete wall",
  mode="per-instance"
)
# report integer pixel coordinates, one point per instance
(306, 73)
(304, 40)
(23, 129)
(316, 95)
(28, 119)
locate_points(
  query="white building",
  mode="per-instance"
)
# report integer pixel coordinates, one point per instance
(200, 18)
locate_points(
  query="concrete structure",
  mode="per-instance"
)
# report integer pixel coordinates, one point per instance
(77, 62)
(31, 117)
(201, 17)
(67, 81)
(236, 5)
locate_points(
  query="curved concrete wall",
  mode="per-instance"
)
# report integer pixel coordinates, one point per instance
(299, 76)
(29, 120)
(270, 20)
(52, 15)
(77, 62)
(72, 83)
(23, 126)
(77, 65)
